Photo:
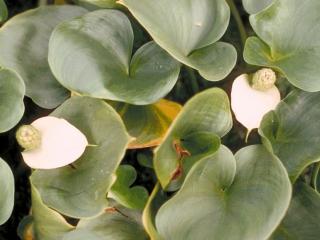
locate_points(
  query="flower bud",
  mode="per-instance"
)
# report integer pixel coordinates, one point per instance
(28, 137)
(263, 79)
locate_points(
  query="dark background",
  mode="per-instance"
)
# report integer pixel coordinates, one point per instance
(10, 151)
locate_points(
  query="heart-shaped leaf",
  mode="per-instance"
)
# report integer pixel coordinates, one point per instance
(303, 217)
(80, 190)
(121, 191)
(47, 223)
(24, 48)
(189, 31)
(115, 224)
(255, 6)
(147, 124)
(289, 41)
(3, 11)
(7, 191)
(206, 115)
(12, 92)
(227, 198)
(102, 42)
(292, 131)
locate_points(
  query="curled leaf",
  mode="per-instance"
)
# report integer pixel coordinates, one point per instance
(195, 132)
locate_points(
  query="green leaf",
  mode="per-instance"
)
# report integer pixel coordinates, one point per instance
(24, 48)
(145, 159)
(115, 224)
(130, 197)
(98, 3)
(47, 223)
(227, 198)
(189, 31)
(303, 217)
(316, 177)
(289, 41)
(147, 124)
(155, 201)
(12, 92)
(102, 42)
(292, 131)
(7, 192)
(255, 6)
(80, 191)
(3, 11)
(201, 142)
(208, 113)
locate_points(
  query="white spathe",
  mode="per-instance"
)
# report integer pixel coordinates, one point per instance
(250, 105)
(61, 144)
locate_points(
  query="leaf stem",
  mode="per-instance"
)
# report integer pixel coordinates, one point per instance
(124, 109)
(238, 19)
(147, 217)
(314, 176)
(193, 80)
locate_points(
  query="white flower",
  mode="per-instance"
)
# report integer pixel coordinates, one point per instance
(250, 105)
(51, 142)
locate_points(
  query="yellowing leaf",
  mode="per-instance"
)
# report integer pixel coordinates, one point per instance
(147, 124)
